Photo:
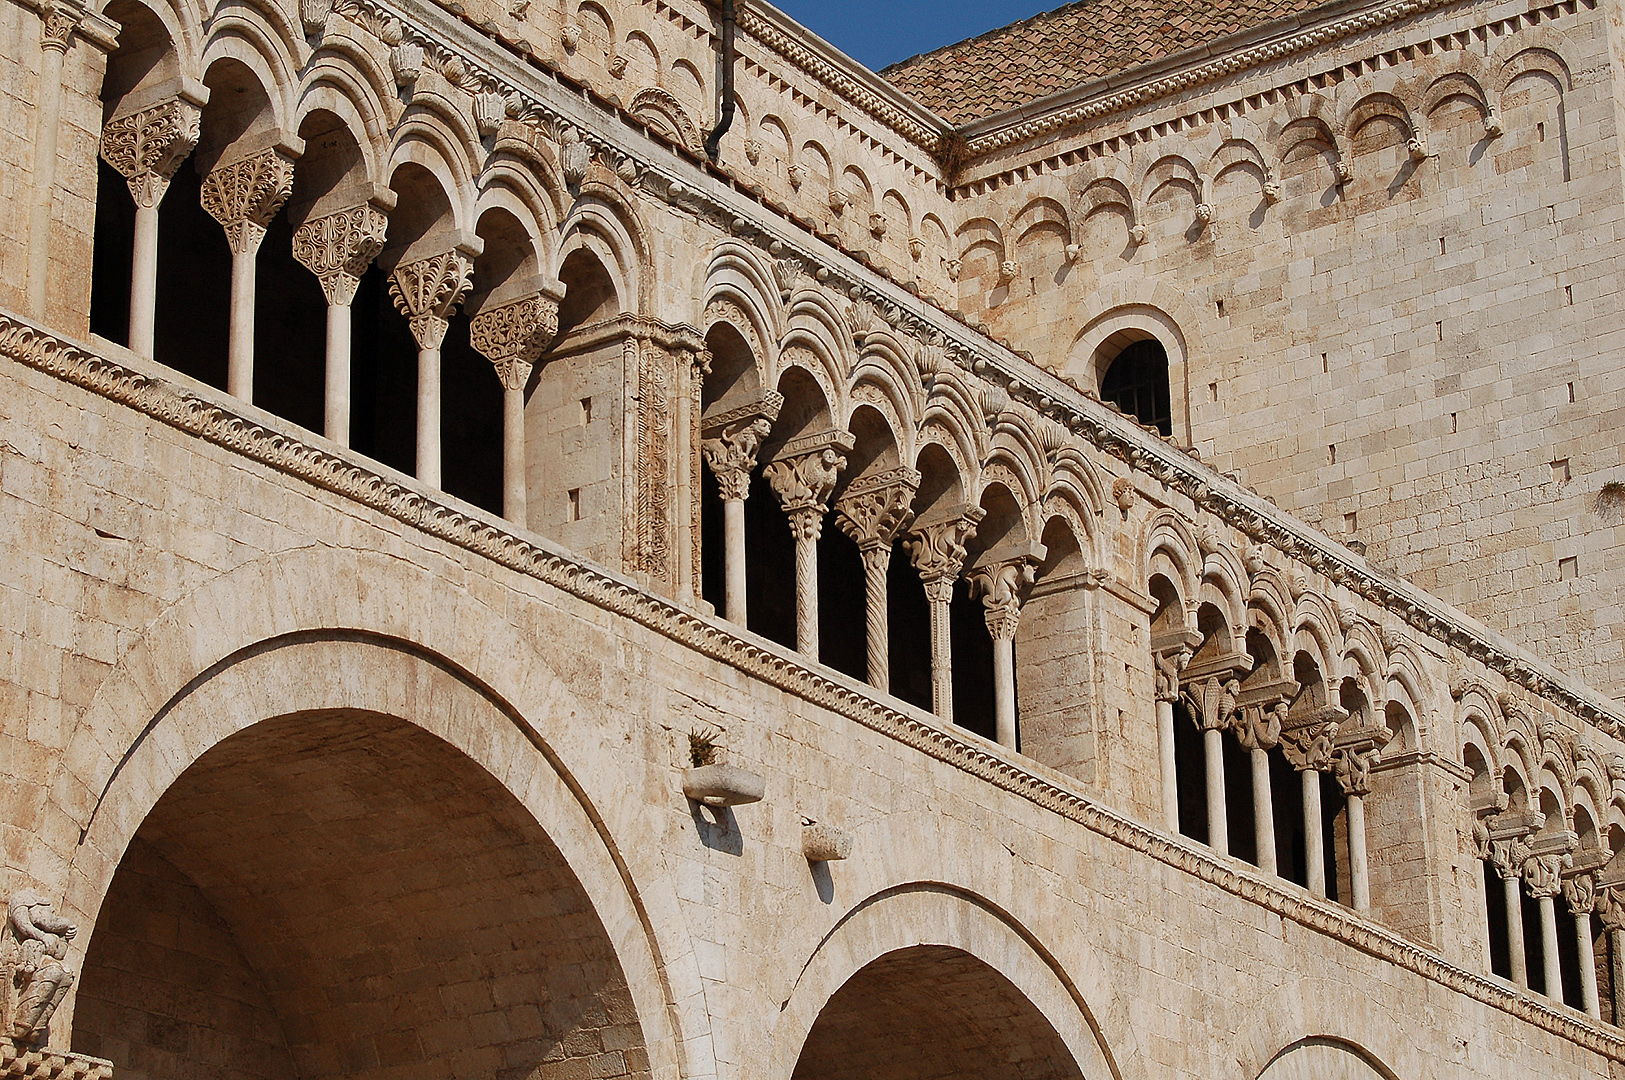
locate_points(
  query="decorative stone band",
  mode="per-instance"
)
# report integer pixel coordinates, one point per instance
(245, 195)
(339, 247)
(215, 420)
(513, 335)
(427, 291)
(147, 147)
(22, 1063)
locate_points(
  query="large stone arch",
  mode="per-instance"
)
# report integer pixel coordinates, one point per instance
(395, 640)
(943, 920)
(1321, 1058)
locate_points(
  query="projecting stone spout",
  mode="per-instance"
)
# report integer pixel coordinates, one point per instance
(723, 785)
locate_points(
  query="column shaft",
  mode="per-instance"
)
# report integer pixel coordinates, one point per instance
(1314, 840)
(336, 389)
(513, 456)
(942, 656)
(1218, 817)
(428, 444)
(1588, 965)
(1548, 947)
(733, 511)
(1616, 952)
(1515, 946)
(1004, 691)
(1359, 869)
(144, 280)
(1170, 775)
(1263, 810)
(807, 596)
(39, 224)
(876, 560)
(240, 350)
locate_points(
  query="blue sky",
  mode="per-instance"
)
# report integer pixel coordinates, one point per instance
(881, 32)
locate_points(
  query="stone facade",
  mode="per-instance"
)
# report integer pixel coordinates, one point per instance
(518, 599)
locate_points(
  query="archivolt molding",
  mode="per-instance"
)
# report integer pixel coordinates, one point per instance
(219, 421)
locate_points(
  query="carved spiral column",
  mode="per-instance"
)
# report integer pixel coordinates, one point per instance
(1541, 876)
(338, 248)
(512, 336)
(1352, 768)
(937, 551)
(60, 21)
(1168, 664)
(999, 586)
(731, 455)
(1507, 857)
(1309, 750)
(243, 197)
(872, 511)
(1258, 729)
(427, 291)
(1214, 705)
(146, 148)
(804, 482)
(1580, 891)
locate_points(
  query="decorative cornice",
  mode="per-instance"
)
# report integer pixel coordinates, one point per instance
(218, 422)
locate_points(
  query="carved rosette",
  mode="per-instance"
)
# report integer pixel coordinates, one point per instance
(513, 335)
(1310, 747)
(999, 587)
(245, 195)
(1214, 703)
(338, 249)
(147, 147)
(427, 291)
(938, 551)
(731, 454)
(874, 508)
(804, 484)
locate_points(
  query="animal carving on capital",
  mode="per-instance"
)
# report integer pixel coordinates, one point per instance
(34, 955)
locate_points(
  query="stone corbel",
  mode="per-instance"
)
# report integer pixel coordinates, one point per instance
(146, 147)
(513, 334)
(246, 194)
(338, 248)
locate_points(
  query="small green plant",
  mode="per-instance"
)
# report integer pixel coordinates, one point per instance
(703, 746)
(1610, 502)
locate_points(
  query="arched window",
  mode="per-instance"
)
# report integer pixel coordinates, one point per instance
(1137, 381)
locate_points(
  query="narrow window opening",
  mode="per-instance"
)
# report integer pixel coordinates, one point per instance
(1325, 365)
(1453, 423)
(1568, 295)
(1438, 328)
(1551, 215)
(1571, 393)
(1441, 245)
(575, 504)
(1540, 132)
(1213, 391)
(1331, 452)
(1137, 382)
(1568, 569)
(1220, 305)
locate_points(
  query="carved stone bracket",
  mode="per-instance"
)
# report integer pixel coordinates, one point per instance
(804, 482)
(1214, 703)
(1310, 746)
(34, 959)
(245, 195)
(513, 335)
(427, 291)
(875, 508)
(937, 549)
(147, 147)
(339, 247)
(1000, 586)
(1258, 727)
(731, 454)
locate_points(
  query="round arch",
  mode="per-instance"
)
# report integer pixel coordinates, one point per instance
(1131, 311)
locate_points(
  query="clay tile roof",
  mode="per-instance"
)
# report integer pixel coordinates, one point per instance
(1080, 42)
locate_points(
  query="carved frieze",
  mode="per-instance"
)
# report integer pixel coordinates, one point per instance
(245, 195)
(339, 247)
(147, 147)
(427, 291)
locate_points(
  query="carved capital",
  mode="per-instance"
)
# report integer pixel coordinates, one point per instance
(1542, 875)
(999, 586)
(804, 483)
(731, 455)
(338, 249)
(1168, 664)
(147, 147)
(513, 335)
(937, 550)
(1507, 857)
(35, 954)
(1310, 747)
(875, 508)
(1581, 893)
(245, 195)
(1352, 767)
(427, 291)
(61, 20)
(1214, 704)
(1258, 727)
(1611, 907)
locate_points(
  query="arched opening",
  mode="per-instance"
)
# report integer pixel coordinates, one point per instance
(1136, 381)
(1483, 792)
(931, 1012)
(1312, 706)
(343, 892)
(731, 388)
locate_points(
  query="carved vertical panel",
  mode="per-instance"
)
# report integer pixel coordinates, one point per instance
(654, 427)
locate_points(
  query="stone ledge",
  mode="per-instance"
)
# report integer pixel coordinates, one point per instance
(16, 1061)
(213, 417)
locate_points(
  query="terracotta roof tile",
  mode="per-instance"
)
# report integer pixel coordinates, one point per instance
(1048, 53)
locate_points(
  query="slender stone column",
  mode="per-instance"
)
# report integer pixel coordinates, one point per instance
(512, 336)
(937, 551)
(1214, 704)
(1507, 856)
(731, 454)
(146, 148)
(1168, 666)
(427, 291)
(1309, 750)
(1581, 893)
(1540, 877)
(872, 511)
(1353, 771)
(243, 197)
(804, 482)
(338, 248)
(1611, 910)
(693, 365)
(61, 20)
(1259, 732)
(1000, 585)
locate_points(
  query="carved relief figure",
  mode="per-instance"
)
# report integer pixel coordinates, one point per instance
(36, 963)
